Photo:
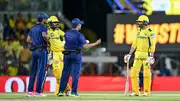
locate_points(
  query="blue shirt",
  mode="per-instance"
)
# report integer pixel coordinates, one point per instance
(36, 35)
(74, 40)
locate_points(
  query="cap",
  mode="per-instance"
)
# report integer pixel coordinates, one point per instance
(77, 21)
(43, 15)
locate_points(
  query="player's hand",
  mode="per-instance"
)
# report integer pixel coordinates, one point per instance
(127, 58)
(150, 61)
(98, 41)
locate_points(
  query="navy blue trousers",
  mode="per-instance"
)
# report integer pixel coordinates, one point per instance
(72, 64)
(39, 60)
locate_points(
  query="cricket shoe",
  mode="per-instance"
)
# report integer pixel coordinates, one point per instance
(134, 94)
(39, 95)
(29, 94)
(60, 94)
(145, 94)
(74, 94)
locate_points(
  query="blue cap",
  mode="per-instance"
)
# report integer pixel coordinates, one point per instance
(43, 15)
(76, 21)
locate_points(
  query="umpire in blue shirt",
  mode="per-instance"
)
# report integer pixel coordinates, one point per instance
(38, 39)
(74, 42)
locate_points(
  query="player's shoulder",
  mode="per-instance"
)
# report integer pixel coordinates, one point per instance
(60, 31)
(73, 31)
(151, 32)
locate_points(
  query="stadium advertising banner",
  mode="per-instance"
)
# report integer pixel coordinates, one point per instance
(122, 29)
(88, 83)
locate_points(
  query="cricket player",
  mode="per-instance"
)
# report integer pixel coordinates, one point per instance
(144, 44)
(39, 41)
(56, 37)
(75, 41)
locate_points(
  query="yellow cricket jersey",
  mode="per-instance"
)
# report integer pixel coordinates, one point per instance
(145, 41)
(55, 36)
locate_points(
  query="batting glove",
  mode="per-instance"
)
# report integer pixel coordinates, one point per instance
(150, 61)
(127, 58)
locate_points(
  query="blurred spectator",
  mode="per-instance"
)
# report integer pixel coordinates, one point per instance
(24, 62)
(12, 71)
(17, 48)
(8, 47)
(19, 24)
(5, 19)
(8, 31)
(29, 22)
(12, 22)
(1, 31)
(166, 70)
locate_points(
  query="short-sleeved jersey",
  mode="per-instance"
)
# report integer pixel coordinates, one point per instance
(36, 35)
(56, 39)
(145, 41)
(74, 40)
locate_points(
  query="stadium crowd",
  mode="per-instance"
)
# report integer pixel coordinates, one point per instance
(14, 52)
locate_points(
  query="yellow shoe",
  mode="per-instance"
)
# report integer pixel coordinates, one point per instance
(60, 94)
(55, 93)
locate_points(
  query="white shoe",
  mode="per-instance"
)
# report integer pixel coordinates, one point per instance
(145, 94)
(134, 94)
(68, 93)
(39, 95)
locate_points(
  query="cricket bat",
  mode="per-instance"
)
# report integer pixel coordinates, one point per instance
(47, 67)
(127, 79)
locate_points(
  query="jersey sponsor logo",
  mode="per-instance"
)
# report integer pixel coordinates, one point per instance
(142, 37)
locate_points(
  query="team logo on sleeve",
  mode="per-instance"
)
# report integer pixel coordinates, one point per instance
(153, 35)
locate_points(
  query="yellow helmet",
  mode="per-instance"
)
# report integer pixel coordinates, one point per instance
(53, 19)
(143, 18)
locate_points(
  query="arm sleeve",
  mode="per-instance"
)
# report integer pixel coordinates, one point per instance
(82, 39)
(62, 33)
(153, 42)
(134, 45)
(44, 29)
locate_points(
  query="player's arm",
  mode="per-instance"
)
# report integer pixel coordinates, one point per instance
(88, 45)
(45, 35)
(153, 44)
(29, 40)
(61, 35)
(46, 38)
(133, 48)
(91, 45)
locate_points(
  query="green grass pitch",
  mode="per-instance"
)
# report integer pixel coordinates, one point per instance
(94, 96)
